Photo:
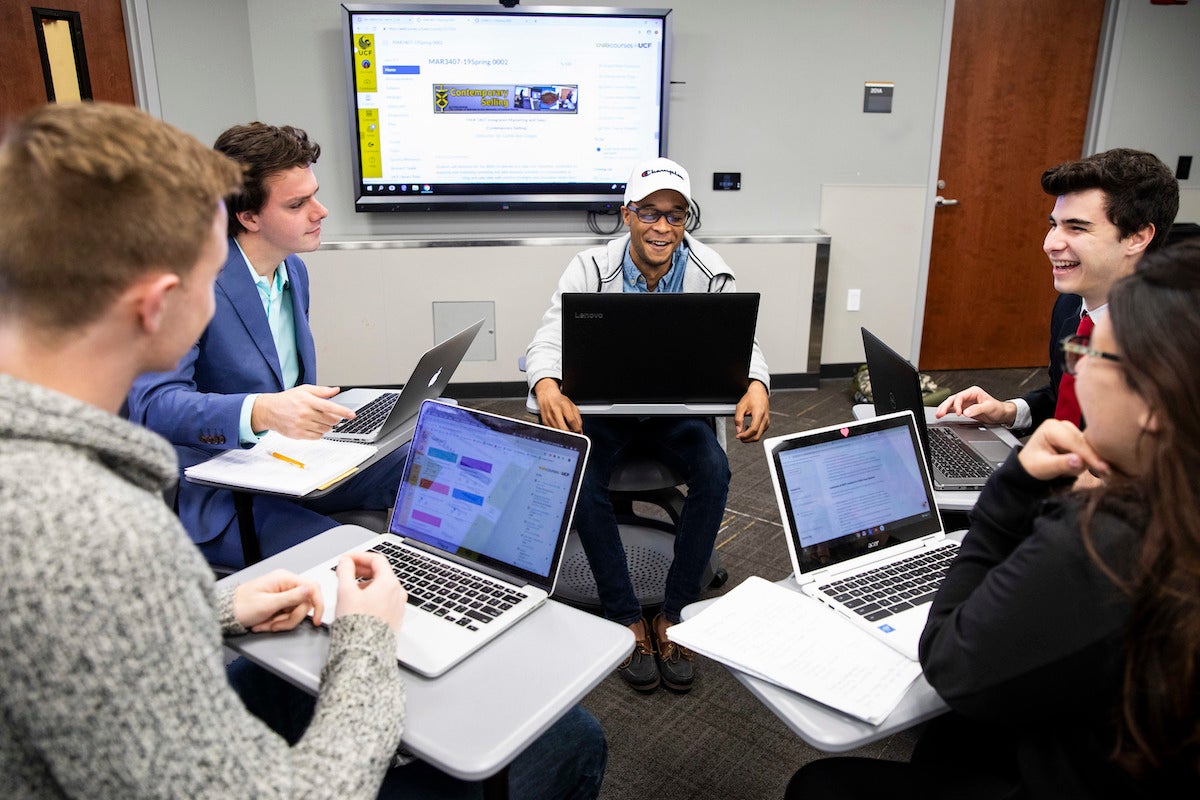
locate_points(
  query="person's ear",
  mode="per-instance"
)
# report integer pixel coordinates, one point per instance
(627, 217)
(153, 300)
(1139, 240)
(249, 220)
(1150, 422)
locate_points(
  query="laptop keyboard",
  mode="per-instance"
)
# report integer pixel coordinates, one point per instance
(369, 417)
(458, 596)
(953, 458)
(892, 588)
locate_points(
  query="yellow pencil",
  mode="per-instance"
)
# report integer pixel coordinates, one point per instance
(288, 459)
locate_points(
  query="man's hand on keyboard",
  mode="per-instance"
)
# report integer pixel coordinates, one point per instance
(367, 585)
(979, 406)
(304, 412)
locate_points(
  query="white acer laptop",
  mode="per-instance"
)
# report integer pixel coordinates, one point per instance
(477, 532)
(378, 412)
(961, 456)
(862, 528)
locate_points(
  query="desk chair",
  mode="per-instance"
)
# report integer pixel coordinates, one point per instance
(649, 540)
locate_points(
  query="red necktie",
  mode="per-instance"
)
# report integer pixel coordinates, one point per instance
(1068, 405)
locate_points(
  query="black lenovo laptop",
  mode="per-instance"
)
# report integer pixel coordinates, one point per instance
(657, 353)
(961, 456)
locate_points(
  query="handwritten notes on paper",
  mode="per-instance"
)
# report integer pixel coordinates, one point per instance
(282, 465)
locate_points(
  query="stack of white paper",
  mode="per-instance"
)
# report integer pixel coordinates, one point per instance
(795, 642)
(282, 465)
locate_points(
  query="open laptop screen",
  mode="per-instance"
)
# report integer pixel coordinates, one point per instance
(493, 490)
(854, 489)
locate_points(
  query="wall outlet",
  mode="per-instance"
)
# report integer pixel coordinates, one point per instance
(854, 299)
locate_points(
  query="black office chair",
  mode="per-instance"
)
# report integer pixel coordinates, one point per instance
(639, 479)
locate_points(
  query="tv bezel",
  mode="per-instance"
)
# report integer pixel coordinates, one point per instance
(605, 201)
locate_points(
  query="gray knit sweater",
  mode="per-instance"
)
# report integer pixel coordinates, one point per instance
(112, 680)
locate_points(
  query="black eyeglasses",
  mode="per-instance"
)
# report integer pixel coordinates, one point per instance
(1075, 346)
(652, 215)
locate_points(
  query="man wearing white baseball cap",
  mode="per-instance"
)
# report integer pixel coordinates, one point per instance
(658, 256)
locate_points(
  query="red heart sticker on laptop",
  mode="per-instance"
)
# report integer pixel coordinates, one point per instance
(845, 431)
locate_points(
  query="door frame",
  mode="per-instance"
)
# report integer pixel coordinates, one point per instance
(141, 56)
(1103, 87)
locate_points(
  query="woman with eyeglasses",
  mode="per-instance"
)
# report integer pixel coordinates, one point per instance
(1066, 635)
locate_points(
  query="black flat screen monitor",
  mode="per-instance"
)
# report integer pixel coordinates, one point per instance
(457, 107)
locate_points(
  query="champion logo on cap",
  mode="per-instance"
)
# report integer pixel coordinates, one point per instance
(656, 171)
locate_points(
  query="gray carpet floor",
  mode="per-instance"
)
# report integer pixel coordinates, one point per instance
(718, 741)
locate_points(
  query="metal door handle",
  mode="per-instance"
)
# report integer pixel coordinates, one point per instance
(941, 201)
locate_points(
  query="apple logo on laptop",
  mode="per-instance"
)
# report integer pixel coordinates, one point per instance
(433, 380)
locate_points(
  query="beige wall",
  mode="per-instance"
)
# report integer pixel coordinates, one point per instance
(372, 308)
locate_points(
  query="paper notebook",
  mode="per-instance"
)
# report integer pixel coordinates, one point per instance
(282, 465)
(793, 641)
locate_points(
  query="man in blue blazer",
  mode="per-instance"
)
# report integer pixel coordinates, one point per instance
(254, 367)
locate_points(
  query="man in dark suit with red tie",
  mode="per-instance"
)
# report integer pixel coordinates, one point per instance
(1110, 209)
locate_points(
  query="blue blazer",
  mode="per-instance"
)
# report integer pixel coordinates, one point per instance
(197, 406)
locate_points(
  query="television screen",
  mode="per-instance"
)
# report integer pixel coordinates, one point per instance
(487, 108)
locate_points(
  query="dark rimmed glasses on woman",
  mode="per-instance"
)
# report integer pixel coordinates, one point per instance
(1074, 347)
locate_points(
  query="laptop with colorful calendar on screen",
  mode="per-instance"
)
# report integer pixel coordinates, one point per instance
(477, 531)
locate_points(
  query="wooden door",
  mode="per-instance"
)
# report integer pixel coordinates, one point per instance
(98, 30)
(1018, 88)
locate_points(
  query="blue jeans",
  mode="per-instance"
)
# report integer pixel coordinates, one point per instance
(687, 445)
(565, 763)
(281, 522)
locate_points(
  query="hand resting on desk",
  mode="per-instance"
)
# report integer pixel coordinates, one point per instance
(276, 601)
(279, 600)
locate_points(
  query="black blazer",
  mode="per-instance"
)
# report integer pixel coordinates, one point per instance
(1064, 320)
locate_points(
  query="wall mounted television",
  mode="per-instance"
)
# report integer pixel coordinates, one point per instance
(469, 107)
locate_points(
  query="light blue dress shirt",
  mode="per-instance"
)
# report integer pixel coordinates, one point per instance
(277, 304)
(672, 282)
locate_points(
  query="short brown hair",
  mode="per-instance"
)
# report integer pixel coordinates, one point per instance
(94, 196)
(263, 150)
(1140, 189)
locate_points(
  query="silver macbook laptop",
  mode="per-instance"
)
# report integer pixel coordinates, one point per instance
(862, 528)
(961, 456)
(677, 353)
(378, 412)
(477, 532)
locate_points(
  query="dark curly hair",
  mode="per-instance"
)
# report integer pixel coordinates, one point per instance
(1140, 189)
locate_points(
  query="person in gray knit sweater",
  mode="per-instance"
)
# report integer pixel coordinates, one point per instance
(112, 676)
